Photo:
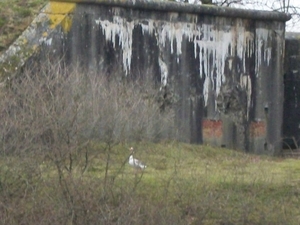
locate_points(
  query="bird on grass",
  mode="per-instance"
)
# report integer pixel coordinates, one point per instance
(137, 164)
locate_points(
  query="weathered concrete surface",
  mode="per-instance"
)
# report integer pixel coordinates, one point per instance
(222, 66)
(169, 6)
(54, 18)
(291, 112)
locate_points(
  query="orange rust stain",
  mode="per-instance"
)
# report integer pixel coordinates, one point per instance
(212, 128)
(258, 129)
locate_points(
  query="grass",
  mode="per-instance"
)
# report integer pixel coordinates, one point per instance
(183, 184)
(15, 16)
(234, 187)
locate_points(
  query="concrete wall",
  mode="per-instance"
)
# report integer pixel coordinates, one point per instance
(291, 112)
(223, 66)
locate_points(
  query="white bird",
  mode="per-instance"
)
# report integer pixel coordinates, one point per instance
(135, 162)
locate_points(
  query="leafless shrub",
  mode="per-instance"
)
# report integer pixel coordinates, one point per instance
(46, 110)
(51, 116)
(286, 6)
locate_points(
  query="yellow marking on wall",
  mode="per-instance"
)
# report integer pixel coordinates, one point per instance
(59, 14)
(66, 24)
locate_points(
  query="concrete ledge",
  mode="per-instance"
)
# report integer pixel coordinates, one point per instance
(56, 14)
(189, 8)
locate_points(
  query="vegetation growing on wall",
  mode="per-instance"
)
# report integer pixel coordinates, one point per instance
(15, 16)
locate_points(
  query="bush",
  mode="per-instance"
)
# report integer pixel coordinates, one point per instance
(55, 108)
(57, 121)
(64, 142)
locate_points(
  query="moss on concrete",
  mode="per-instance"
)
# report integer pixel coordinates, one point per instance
(15, 17)
(54, 14)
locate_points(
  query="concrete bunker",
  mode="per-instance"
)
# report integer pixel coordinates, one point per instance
(225, 66)
(291, 109)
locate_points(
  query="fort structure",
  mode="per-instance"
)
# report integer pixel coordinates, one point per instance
(224, 67)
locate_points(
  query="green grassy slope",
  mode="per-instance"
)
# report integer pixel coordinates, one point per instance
(183, 184)
(15, 16)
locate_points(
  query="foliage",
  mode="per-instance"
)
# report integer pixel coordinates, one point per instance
(64, 150)
(198, 185)
(15, 16)
(64, 142)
